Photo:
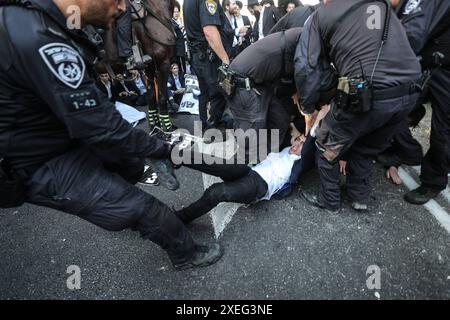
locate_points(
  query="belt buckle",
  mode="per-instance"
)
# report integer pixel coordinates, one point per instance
(247, 84)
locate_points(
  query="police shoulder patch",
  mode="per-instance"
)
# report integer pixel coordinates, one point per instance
(211, 6)
(64, 62)
(412, 6)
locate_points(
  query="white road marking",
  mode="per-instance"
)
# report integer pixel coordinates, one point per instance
(224, 212)
(432, 206)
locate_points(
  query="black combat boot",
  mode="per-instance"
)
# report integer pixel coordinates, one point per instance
(204, 256)
(316, 201)
(421, 195)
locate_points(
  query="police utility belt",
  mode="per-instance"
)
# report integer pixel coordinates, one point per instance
(357, 95)
(229, 80)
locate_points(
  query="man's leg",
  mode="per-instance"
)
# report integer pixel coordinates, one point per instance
(338, 133)
(217, 99)
(249, 111)
(390, 114)
(227, 172)
(338, 130)
(278, 118)
(124, 34)
(436, 164)
(406, 147)
(77, 183)
(245, 190)
(199, 65)
(403, 150)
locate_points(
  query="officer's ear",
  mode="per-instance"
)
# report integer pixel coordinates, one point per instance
(394, 3)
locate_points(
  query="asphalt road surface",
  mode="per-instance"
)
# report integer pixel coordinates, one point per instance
(273, 250)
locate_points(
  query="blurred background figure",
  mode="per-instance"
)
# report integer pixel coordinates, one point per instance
(242, 20)
(175, 87)
(178, 26)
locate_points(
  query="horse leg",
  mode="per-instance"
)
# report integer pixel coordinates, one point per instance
(162, 76)
(153, 119)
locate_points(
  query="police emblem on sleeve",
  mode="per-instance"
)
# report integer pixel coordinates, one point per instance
(412, 6)
(64, 62)
(211, 6)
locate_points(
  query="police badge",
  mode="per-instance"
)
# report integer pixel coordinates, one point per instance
(211, 6)
(64, 62)
(412, 6)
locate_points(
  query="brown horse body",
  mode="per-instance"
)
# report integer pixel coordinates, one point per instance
(153, 29)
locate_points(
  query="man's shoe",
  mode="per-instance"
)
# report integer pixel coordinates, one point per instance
(149, 177)
(421, 195)
(360, 207)
(317, 202)
(166, 174)
(204, 256)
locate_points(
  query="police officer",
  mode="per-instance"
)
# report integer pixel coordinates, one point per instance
(258, 73)
(378, 71)
(293, 19)
(204, 22)
(66, 141)
(427, 24)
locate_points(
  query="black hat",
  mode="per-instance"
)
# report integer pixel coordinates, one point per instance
(252, 3)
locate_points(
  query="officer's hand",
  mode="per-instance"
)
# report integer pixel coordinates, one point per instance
(123, 94)
(295, 99)
(133, 93)
(322, 113)
(343, 167)
(310, 120)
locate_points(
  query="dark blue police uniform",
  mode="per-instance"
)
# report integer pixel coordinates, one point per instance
(66, 140)
(198, 14)
(427, 24)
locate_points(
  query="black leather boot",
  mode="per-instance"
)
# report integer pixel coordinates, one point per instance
(421, 195)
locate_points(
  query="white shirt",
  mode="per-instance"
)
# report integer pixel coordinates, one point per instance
(240, 23)
(140, 85)
(276, 170)
(260, 24)
(108, 88)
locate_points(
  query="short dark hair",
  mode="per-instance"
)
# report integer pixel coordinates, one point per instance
(177, 5)
(239, 4)
(284, 3)
(263, 2)
(225, 3)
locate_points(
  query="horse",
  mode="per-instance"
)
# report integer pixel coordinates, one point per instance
(152, 28)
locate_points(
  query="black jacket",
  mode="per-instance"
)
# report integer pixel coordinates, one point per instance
(171, 81)
(180, 45)
(102, 88)
(295, 18)
(427, 25)
(131, 86)
(270, 18)
(247, 39)
(353, 49)
(49, 103)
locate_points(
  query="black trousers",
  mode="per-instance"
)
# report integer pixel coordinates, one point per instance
(436, 163)
(405, 149)
(124, 33)
(102, 192)
(207, 74)
(361, 136)
(241, 185)
(251, 110)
